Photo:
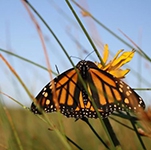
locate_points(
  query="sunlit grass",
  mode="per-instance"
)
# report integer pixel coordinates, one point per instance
(20, 129)
(34, 134)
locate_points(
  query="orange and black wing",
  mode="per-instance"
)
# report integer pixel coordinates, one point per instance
(112, 94)
(108, 93)
(66, 92)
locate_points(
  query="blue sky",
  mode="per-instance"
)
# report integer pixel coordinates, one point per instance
(19, 35)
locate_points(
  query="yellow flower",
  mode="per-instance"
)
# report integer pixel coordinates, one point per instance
(113, 67)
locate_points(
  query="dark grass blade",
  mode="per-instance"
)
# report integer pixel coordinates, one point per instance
(136, 131)
(87, 122)
(76, 145)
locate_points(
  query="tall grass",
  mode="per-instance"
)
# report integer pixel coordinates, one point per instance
(20, 129)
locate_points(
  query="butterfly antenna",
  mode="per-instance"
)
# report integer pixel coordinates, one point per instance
(88, 55)
(57, 69)
(75, 57)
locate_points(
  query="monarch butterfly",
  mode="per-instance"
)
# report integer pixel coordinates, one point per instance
(109, 93)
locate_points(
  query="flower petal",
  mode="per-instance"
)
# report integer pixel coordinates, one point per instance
(113, 67)
(105, 53)
(123, 59)
(117, 54)
(119, 73)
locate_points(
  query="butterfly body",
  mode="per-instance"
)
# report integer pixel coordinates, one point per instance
(75, 94)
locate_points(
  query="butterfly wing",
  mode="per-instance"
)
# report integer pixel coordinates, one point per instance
(110, 93)
(64, 89)
(130, 98)
(74, 100)
(70, 94)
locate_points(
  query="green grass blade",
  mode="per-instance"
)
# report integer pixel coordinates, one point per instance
(85, 32)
